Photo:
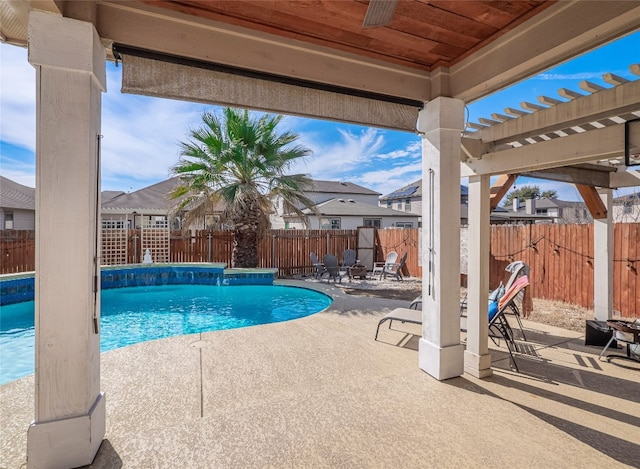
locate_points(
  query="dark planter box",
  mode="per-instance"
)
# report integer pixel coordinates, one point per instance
(598, 333)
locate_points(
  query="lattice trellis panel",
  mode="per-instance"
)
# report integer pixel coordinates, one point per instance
(114, 241)
(156, 237)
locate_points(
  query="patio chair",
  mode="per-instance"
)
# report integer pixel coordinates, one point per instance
(348, 258)
(378, 267)
(517, 269)
(332, 269)
(498, 324)
(319, 266)
(394, 269)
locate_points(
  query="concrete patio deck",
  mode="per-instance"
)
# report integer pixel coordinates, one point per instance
(320, 392)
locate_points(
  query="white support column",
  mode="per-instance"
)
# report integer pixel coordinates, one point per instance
(440, 351)
(69, 422)
(477, 359)
(603, 260)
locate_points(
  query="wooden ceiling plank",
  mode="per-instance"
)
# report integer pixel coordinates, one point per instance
(433, 33)
(483, 12)
(593, 201)
(428, 13)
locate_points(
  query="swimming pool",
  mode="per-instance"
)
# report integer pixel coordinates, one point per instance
(138, 314)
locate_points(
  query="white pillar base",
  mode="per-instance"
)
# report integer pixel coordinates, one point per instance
(478, 366)
(71, 442)
(441, 362)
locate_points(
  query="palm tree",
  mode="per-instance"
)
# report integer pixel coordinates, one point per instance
(239, 161)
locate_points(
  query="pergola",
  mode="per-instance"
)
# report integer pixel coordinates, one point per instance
(409, 64)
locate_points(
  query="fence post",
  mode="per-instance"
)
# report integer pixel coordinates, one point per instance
(135, 247)
(209, 247)
(273, 251)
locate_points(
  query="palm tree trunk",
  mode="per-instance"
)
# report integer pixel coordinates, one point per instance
(247, 231)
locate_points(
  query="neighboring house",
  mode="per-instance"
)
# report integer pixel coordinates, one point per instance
(348, 214)
(559, 211)
(626, 209)
(321, 192)
(502, 216)
(149, 206)
(17, 206)
(106, 196)
(409, 199)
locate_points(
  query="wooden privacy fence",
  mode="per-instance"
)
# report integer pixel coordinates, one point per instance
(561, 261)
(286, 250)
(560, 256)
(401, 240)
(17, 251)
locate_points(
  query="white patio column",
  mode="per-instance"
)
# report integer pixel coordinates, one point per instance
(69, 422)
(440, 351)
(477, 359)
(603, 261)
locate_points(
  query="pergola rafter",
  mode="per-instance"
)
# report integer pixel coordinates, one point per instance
(579, 141)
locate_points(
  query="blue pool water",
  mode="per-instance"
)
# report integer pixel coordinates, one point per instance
(139, 314)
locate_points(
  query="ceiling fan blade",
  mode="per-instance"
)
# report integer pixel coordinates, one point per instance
(379, 13)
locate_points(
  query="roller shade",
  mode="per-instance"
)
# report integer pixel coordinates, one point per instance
(150, 74)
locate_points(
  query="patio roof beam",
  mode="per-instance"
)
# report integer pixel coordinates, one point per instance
(614, 101)
(139, 25)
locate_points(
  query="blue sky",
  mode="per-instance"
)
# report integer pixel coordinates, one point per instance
(141, 133)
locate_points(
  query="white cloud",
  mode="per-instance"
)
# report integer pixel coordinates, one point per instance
(17, 98)
(332, 159)
(579, 75)
(388, 180)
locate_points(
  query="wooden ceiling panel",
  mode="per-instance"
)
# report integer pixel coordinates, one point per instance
(422, 33)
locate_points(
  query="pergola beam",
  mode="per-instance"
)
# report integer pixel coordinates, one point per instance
(594, 107)
(499, 189)
(597, 144)
(593, 201)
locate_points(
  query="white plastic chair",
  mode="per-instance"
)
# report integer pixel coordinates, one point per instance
(380, 267)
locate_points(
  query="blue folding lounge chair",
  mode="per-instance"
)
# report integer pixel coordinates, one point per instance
(498, 324)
